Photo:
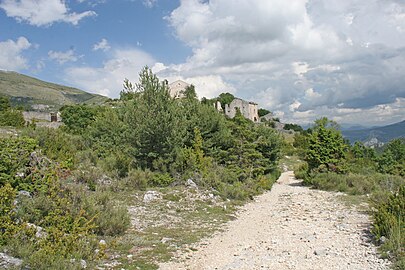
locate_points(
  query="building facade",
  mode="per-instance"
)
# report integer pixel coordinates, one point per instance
(176, 88)
(248, 109)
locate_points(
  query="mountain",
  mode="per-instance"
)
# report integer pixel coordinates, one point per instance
(32, 93)
(376, 136)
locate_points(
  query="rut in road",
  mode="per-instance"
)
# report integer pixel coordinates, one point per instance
(289, 227)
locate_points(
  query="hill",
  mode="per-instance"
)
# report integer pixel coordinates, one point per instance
(32, 93)
(376, 135)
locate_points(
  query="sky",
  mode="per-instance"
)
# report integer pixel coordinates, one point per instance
(301, 59)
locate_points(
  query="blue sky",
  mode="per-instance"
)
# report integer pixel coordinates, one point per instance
(302, 59)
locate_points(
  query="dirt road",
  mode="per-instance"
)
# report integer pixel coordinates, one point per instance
(290, 227)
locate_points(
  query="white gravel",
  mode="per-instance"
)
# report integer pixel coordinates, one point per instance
(290, 227)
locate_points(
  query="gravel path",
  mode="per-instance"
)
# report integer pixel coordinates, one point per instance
(290, 227)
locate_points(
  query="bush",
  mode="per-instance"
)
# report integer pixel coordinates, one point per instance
(12, 118)
(137, 179)
(389, 221)
(161, 180)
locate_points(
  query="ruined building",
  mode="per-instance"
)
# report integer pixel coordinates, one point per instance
(176, 88)
(248, 109)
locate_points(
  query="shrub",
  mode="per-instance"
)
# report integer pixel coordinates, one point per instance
(12, 118)
(161, 180)
(137, 179)
(389, 221)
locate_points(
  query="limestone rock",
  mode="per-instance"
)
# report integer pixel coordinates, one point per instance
(151, 195)
(7, 261)
(191, 184)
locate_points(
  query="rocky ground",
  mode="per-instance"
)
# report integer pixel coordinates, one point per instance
(290, 227)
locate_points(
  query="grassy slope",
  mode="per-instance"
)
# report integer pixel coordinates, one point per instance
(25, 90)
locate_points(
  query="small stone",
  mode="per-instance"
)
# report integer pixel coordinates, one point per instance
(383, 239)
(151, 195)
(165, 240)
(191, 184)
(320, 252)
(83, 264)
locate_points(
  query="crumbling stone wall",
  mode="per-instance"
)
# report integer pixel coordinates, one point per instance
(248, 109)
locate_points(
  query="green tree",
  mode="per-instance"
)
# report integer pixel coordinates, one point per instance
(155, 122)
(294, 127)
(190, 93)
(225, 98)
(4, 103)
(326, 147)
(392, 160)
(9, 116)
(12, 118)
(263, 112)
(78, 117)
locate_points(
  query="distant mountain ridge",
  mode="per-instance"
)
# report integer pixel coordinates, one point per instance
(33, 93)
(376, 135)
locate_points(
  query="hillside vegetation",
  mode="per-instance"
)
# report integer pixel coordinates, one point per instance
(27, 91)
(65, 194)
(332, 164)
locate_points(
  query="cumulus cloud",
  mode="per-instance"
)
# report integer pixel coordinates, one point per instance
(11, 57)
(304, 59)
(108, 79)
(63, 57)
(102, 45)
(42, 12)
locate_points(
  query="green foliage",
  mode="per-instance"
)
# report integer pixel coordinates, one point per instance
(294, 127)
(393, 158)
(225, 98)
(10, 116)
(4, 103)
(389, 221)
(77, 117)
(14, 157)
(263, 112)
(190, 93)
(326, 148)
(161, 180)
(56, 144)
(155, 123)
(68, 217)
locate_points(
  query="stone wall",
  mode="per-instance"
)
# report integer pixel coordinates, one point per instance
(40, 116)
(248, 109)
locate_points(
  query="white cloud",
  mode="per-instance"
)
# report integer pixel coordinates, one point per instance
(305, 58)
(108, 79)
(11, 54)
(149, 3)
(42, 12)
(63, 57)
(102, 45)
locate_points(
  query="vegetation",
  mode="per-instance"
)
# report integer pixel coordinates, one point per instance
(263, 112)
(332, 164)
(10, 116)
(27, 91)
(71, 183)
(295, 127)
